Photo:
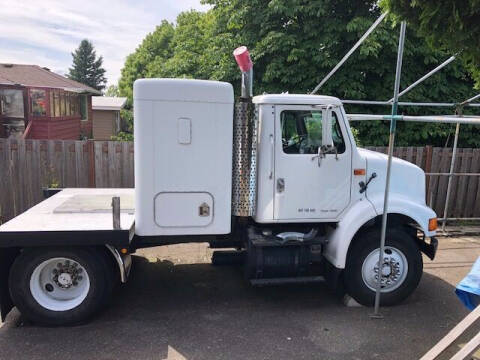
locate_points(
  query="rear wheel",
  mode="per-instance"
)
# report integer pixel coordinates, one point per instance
(401, 270)
(59, 286)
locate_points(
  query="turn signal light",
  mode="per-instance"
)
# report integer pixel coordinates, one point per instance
(124, 251)
(359, 172)
(432, 224)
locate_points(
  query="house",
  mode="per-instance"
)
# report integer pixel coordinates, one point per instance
(36, 103)
(106, 116)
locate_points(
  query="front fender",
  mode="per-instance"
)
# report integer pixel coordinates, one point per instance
(401, 204)
(363, 211)
(340, 237)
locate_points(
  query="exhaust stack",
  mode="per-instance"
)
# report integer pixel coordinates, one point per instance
(242, 57)
(244, 177)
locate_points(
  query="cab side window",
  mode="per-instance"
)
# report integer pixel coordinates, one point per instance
(302, 132)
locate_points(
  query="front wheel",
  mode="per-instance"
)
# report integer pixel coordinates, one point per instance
(401, 270)
(59, 286)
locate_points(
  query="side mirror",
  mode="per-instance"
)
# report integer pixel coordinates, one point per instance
(327, 120)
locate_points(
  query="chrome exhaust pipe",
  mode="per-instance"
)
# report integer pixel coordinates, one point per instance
(244, 194)
(242, 57)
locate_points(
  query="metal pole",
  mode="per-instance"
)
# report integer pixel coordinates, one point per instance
(426, 76)
(473, 120)
(404, 103)
(350, 52)
(449, 186)
(247, 84)
(466, 102)
(462, 219)
(391, 143)
(454, 174)
(116, 212)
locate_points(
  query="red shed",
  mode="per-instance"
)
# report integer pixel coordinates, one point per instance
(36, 103)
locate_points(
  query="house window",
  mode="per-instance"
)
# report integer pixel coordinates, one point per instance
(67, 104)
(73, 104)
(52, 104)
(77, 105)
(11, 103)
(39, 102)
(56, 97)
(62, 104)
(84, 107)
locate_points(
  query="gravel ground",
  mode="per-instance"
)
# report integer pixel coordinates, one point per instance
(178, 306)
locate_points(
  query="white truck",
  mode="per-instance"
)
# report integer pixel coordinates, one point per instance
(276, 177)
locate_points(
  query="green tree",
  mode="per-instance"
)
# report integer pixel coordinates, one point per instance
(184, 50)
(154, 48)
(87, 68)
(112, 91)
(294, 44)
(451, 25)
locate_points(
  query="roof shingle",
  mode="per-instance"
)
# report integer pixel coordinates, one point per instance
(34, 75)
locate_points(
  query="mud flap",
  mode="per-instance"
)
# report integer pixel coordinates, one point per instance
(334, 278)
(7, 257)
(429, 249)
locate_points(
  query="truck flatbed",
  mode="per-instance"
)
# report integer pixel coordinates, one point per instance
(75, 217)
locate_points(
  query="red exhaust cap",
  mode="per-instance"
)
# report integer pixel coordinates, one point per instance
(242, 57)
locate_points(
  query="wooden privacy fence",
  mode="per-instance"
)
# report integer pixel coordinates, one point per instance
(27, 166)
(465, 191)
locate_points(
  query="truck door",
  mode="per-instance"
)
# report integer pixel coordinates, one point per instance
(305, 186)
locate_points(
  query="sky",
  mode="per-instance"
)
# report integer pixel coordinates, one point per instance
(46, 32)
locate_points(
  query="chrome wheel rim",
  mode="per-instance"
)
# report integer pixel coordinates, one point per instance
(394, 269)
(59, 284)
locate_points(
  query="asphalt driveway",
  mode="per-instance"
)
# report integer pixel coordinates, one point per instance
(178, 306)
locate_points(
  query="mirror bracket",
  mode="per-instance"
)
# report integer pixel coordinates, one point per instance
(327, 147)
(323, 151)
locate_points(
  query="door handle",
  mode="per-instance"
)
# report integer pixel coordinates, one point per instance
(280, 185)
(272, 159)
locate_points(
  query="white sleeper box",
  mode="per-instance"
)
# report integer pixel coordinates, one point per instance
(183, 156)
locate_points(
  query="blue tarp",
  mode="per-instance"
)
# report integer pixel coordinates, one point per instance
(468, 290)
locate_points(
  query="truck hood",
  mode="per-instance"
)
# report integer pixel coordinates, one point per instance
(407, 180)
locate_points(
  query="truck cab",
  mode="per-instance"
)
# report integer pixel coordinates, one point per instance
(311, 171)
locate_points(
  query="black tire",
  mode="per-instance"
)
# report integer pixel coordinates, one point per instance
(362, 246)
(94, 263)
